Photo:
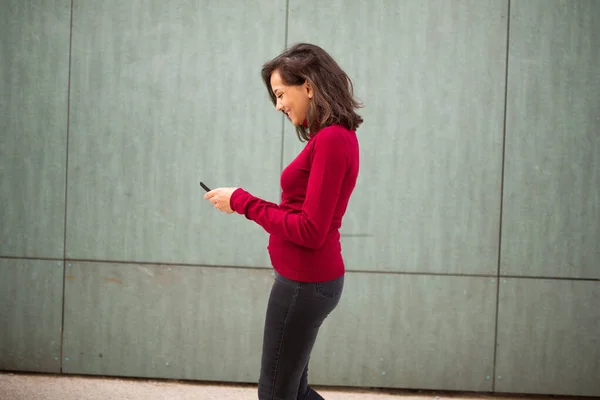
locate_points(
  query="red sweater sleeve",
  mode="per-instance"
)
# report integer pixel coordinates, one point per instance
(308, 228)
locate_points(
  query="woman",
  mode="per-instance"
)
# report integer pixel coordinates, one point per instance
(308, 86)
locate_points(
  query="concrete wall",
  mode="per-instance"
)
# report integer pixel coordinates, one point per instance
(472, 240)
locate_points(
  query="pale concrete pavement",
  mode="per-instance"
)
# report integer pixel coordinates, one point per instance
(17, 386)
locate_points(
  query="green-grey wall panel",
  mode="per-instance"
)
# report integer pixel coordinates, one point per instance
(165, 321)
(551, 217)
(163, 97)
(30, 315)
(409, 331)
(548, 332)
(431, 75)
(206, 323)
(34, 70)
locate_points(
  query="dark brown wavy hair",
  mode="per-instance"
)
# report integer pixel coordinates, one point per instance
(333, 98)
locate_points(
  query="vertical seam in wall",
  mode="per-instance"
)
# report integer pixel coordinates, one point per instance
(62, 324)
(287, 19)
(285, 43)
(494, 377)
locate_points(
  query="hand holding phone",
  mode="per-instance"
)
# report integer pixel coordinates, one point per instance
(220, 197)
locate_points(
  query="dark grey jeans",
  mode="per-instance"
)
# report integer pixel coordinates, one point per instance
(295, 313)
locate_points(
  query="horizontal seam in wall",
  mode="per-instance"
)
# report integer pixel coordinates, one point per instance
(348, 271)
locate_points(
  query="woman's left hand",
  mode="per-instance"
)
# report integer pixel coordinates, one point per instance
(220, 198)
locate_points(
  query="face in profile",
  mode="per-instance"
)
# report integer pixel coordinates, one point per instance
(292, 100)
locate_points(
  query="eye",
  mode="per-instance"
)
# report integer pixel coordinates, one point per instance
(280, 95)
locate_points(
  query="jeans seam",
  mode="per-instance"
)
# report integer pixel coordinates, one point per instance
(292, 303)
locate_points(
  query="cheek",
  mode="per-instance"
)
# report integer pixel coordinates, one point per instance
(303, 106)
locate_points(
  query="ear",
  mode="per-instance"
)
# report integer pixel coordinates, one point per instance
(309, 89)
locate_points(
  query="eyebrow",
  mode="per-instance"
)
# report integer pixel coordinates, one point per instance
(276, 90)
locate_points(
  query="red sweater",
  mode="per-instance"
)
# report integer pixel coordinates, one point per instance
(304, 242)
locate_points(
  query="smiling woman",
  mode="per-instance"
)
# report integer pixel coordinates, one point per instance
(308, 86)
(307, 81)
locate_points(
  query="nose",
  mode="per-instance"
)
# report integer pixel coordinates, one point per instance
(278, 105)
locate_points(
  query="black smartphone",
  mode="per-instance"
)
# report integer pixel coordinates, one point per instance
(204, 187)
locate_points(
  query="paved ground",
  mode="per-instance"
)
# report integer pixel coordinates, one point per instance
(63, 387)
